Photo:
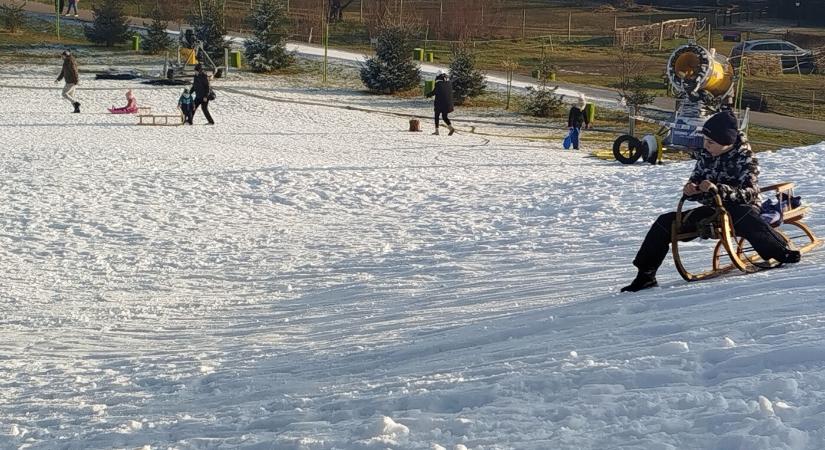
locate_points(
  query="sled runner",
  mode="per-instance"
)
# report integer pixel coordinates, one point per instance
(719, 227)
(145, 117)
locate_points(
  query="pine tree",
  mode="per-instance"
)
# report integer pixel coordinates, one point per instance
(110, 25)
(266, 50)
(156, 39)
(13, 16)
(208, 22)
(467, 80)
(392, 69)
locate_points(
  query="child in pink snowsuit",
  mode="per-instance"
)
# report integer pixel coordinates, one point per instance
(131, 105)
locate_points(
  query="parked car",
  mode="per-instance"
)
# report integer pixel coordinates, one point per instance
(789, 53)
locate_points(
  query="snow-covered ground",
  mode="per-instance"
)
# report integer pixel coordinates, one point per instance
(309, 277)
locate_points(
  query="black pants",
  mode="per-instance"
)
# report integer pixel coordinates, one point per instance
(188, 113)
(204, 103)
(444, 116)
(747, 223)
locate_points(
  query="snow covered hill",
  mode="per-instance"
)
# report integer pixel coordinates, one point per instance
(307, 277)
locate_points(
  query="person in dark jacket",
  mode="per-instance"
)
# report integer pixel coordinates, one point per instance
(443, 103)
(726, 165)
(70, 74)
(201, 89)
(576, 120)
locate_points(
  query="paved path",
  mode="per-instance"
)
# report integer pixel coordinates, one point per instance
(604, 96)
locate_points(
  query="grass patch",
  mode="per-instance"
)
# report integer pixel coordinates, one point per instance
(37, 31)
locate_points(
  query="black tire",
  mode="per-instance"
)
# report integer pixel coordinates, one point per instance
(629, 155)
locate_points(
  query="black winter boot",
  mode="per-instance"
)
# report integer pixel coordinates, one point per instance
(643, 280)
(77, 107)
(790, 257)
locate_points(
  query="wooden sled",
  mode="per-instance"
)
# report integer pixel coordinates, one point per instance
(731, 247)
(145, 117)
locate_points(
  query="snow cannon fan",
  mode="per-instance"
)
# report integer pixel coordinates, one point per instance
(699, 74)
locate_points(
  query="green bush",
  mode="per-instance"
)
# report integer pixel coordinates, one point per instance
(392, 69)
(467, 80)
(208, 22)
(266, 50)
(13, 16)
(542, 102)
(156, 39)
(110, 26)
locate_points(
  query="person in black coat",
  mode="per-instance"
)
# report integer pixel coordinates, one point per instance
(201, 89)
(443, 103)
(576, 120)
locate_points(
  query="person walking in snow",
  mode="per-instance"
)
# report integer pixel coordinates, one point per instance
(725, 166)
(70, 74)
(203, 92)
(186, 107)
(443, 102)
(576, 120)
(72, 5)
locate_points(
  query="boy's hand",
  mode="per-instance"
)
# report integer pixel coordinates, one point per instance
(707, 186)
(690, 189)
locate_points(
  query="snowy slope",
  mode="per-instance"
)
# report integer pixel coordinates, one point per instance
(305, 277)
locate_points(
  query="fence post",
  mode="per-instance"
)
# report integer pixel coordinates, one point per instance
(523, 23)
(361, 16)
(326, 46)
(661, 34)
(710, 40)
(813, 104)
(482, 13)
(440, 14)
(569, 26)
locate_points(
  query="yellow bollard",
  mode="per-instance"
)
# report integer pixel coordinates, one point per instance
(429, 85)
(235, 58)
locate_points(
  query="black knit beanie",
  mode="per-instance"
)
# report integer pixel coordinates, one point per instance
(722, 127)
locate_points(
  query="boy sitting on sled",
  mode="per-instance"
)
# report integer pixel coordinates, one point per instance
(131, 105)
(726, 165)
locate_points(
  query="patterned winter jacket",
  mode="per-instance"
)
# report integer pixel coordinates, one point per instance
(735, 173)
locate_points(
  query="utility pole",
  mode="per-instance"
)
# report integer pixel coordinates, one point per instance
(57, 17)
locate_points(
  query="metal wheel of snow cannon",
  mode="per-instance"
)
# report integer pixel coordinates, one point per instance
(627, 149)
(731, 252)
(651, 149)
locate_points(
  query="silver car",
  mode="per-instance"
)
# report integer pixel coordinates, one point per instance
(790, 53)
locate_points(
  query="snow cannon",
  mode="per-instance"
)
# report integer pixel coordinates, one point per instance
(700, 74)
(704, 84)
